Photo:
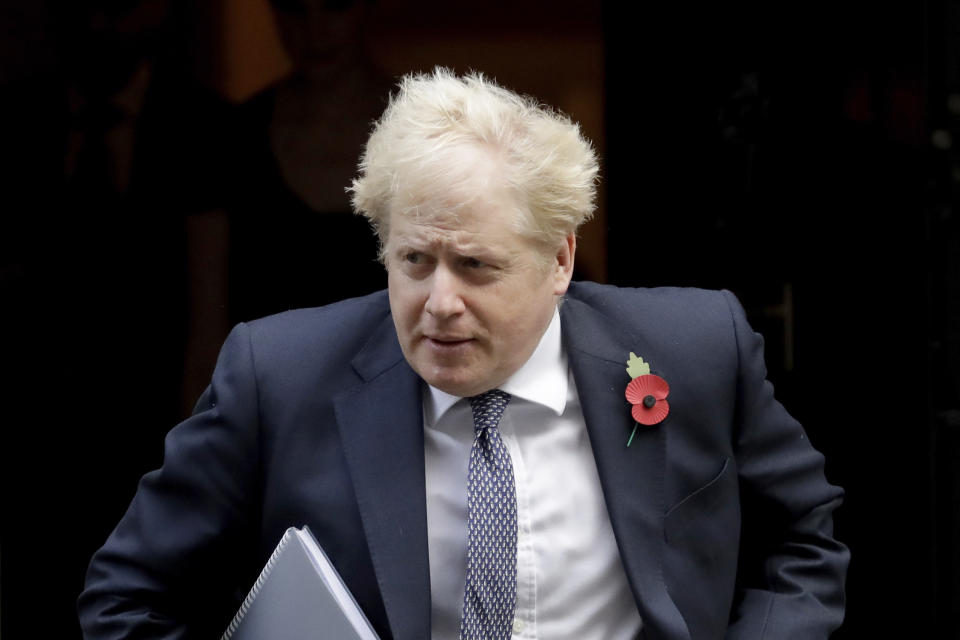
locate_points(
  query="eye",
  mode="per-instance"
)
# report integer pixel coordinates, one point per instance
(413, 257)
(473, 263)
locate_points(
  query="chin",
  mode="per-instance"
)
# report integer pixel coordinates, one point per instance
(456, 386)
(463, 390)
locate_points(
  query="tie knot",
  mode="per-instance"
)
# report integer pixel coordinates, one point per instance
(488, 408)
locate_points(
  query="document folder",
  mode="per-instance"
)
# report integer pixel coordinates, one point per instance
(299, 596)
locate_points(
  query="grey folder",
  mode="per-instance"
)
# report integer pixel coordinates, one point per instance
(299, 596)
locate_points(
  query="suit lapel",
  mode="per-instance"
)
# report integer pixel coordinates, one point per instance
(381, 427)
(632, 478)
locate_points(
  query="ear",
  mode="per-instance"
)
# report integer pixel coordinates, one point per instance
(563, 269)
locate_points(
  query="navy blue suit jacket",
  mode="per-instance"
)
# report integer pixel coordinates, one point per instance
(721, 512)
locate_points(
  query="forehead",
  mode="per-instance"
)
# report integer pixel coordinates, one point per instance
(480, 223)
(462, 190)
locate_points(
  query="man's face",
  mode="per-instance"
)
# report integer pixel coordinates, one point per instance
(471, 296)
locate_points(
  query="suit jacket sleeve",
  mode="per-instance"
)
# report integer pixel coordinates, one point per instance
(167, 571)
(791, 570)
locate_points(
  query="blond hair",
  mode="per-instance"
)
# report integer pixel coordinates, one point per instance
(547, 164)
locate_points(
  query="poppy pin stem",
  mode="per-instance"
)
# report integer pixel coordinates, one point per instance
(632, 433)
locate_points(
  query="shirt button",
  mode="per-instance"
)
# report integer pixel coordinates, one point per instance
(518, 625)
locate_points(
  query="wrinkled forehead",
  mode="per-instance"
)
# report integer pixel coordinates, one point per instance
(436, 234)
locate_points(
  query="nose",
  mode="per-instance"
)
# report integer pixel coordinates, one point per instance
(444, 299)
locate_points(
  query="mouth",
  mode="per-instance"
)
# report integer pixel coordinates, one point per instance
(447, 343)
(447, 339)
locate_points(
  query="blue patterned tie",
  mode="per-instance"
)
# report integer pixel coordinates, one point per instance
(490, 595)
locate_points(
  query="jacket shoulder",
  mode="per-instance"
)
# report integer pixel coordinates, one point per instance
(333, 334)
(683, 308)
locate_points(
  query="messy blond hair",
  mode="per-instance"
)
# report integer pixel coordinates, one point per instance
(545, 161)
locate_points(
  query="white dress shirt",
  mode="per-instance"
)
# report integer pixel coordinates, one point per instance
(570, 581)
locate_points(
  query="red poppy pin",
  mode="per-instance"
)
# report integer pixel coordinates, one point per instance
(647, 393)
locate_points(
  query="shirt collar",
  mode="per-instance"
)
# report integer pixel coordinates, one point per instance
(542, 378)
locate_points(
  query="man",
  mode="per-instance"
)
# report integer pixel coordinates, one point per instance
(484, 382)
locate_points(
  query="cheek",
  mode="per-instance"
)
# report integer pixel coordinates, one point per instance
(526, 324)
(406, 305)
(513, 327)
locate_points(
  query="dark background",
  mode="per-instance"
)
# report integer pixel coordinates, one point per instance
(799, 154)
